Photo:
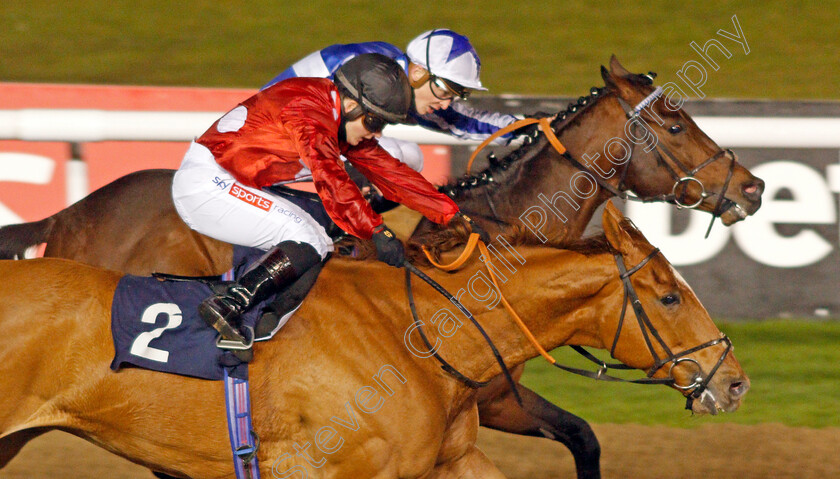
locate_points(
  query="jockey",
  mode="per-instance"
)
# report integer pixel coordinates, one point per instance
(297, 124)
(442, 66)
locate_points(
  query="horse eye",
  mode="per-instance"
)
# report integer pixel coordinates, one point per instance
(670, 299)
(675, 129)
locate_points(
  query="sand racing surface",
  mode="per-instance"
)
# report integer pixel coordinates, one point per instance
(719, 451)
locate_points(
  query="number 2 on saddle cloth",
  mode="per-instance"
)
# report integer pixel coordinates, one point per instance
(155, 321)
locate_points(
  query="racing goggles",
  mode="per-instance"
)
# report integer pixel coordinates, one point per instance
(443, 89)
(373, 123)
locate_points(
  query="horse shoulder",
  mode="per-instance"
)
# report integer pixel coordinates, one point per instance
(340, 369)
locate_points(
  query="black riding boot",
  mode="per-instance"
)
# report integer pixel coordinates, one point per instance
(278, 268)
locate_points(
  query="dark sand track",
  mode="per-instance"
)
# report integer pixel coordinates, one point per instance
(720, 451)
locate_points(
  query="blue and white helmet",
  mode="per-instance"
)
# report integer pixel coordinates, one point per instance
(448, 55)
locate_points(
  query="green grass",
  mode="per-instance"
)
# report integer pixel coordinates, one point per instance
(793, 367)
(527, 47)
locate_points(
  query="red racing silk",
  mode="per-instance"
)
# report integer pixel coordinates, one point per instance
(273, 135)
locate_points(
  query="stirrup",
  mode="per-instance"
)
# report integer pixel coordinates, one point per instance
(243, 344)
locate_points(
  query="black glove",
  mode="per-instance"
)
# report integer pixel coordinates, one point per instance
(388, 248)
(358, 178)
(380, 204)
(482, 234)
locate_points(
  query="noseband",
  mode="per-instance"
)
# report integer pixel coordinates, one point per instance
(700, 383)
(692, 391)
(688, 174)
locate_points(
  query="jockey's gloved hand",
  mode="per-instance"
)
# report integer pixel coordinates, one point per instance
(389, 249)
(361, 181)
(474, 227)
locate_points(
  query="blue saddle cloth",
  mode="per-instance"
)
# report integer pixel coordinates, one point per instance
(155, 325)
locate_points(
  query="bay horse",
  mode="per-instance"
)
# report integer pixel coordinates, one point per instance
(413, 420)
(131, 224)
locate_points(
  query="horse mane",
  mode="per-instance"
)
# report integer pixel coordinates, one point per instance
(448, 239)
(532, 145)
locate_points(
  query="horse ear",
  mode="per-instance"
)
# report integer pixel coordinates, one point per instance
(611, 222)
(621, 233)
(617, 69)
(612, 210)
(608, 81)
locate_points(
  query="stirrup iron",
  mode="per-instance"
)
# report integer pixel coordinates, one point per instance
(235, 344)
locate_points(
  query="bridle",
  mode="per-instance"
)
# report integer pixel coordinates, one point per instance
(691, 391)
(682, 178)
(649, 333)
(688, 174)
(418, 324)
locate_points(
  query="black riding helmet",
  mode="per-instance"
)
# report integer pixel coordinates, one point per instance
(379, 85)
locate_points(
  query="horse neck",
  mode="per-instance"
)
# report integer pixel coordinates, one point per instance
(559, 295)
(550, 184)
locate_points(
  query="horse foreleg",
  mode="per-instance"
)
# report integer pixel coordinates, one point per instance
(539, 418)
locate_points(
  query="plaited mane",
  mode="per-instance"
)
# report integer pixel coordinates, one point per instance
(497, 170)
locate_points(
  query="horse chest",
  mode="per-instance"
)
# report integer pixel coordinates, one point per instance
(460, 436)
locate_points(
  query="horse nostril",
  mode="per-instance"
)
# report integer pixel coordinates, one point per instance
(738, 389)
(753, 189)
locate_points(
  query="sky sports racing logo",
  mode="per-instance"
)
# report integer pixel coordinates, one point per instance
(250, 198)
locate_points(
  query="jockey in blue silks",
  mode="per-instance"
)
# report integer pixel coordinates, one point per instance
(442, 67)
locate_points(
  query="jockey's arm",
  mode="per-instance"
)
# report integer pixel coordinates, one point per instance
(319, 150)
(467, 123)
(399, 183)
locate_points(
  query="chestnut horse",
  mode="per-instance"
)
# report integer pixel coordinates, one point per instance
(131, 224)
(413, 420)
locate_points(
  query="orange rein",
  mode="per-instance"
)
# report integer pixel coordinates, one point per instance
(545, 126)
(473, 241)
(468, 251)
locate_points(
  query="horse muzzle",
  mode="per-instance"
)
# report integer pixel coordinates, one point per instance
(745, 202)
(742, 197)
(723, 395)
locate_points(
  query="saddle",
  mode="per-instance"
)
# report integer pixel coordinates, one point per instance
(155, 322)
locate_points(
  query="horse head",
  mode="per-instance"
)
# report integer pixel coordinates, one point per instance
(663, 329)
(669, 155)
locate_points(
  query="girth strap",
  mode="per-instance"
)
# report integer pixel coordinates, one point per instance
(244, 442)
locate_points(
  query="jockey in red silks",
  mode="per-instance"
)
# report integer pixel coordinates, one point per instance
(297, 125)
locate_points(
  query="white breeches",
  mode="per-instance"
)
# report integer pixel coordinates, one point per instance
(210, 201)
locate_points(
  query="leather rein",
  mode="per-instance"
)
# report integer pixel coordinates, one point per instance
(621, 191)
(691, 391)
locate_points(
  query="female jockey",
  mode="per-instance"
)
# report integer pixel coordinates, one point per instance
(441, 65)
(271, 137)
